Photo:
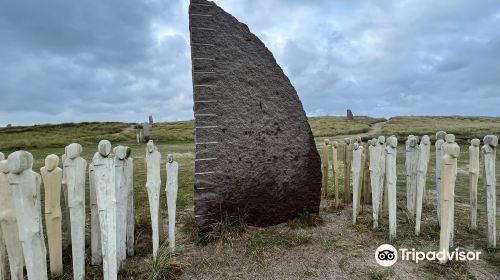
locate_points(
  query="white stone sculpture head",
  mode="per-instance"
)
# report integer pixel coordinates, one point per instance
(151, 146)
(369, 142)
(381, 140)
(327, 141)
(121, 152)
(449, 138)
(170, 158)
(412, 141)
(356, 146)
(490, 140)
(2, 156)
(392, 141)
(51, 162)
(104, 148)
(358, 139)
(347, 141)
(452, 150)
(374, 141)
(440, 135)
(19, 161)
(335, 144)
(426, 140)
(4, 168)
(73, 150)
(475, 142)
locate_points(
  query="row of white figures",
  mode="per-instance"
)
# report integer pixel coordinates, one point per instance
(112, 209)
(382, 165)
(153, 183)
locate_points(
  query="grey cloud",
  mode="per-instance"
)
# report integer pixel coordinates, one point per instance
(124, 60)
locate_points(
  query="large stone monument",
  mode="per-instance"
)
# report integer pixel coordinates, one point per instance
(246, 114)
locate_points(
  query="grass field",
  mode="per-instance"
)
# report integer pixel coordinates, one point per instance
(292, 250)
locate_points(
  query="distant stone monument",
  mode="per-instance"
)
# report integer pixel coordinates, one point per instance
(350, 116)
(146, 130)
(151, 122)
(246, 113)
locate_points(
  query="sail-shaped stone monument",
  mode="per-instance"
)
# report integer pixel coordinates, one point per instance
(256, 157)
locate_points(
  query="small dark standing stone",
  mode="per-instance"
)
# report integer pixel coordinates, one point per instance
(350, 116)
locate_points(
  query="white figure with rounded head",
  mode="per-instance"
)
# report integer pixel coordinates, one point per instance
(104, 179)
(25, 184)
(153, 183)
(171, 189)
(52, 183)
(8, 224)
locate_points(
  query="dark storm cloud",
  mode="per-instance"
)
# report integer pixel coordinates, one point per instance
(124, 60)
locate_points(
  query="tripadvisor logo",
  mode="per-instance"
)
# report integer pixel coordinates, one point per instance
(386, 255)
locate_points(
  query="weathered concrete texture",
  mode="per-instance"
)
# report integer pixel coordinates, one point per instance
(255, 153)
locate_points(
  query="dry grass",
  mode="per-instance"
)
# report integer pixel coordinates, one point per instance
(310, 246)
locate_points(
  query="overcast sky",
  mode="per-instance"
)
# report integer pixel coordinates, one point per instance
(122, 60)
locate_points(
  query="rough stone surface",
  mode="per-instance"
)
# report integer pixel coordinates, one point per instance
(255, 153)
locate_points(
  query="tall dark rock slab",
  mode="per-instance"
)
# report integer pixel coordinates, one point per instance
(255, 154)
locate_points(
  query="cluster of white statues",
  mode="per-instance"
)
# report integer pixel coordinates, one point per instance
(111, 183)
(381, 162)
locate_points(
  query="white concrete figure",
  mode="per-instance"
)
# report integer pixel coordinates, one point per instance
(324, 166)
(448, 177)
(8, 224)
(423, 163)
(3, 258)
(450, 140)
(95, 230)
(129, 177)
(335, 169)
(52, 183)
(374, 160)
(380, 149)
(366, 173)
(347, 170)
(411, 165)
(473, 179)
(121, 154)
(104, 176)
(75, 169)
(25, 185)
(439, 157)
(171, 189)
(65, 208)
(356, 176)
(391, 181)
(153, 183)
(490, 181)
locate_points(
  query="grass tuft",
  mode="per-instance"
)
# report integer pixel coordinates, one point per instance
(305, 220)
